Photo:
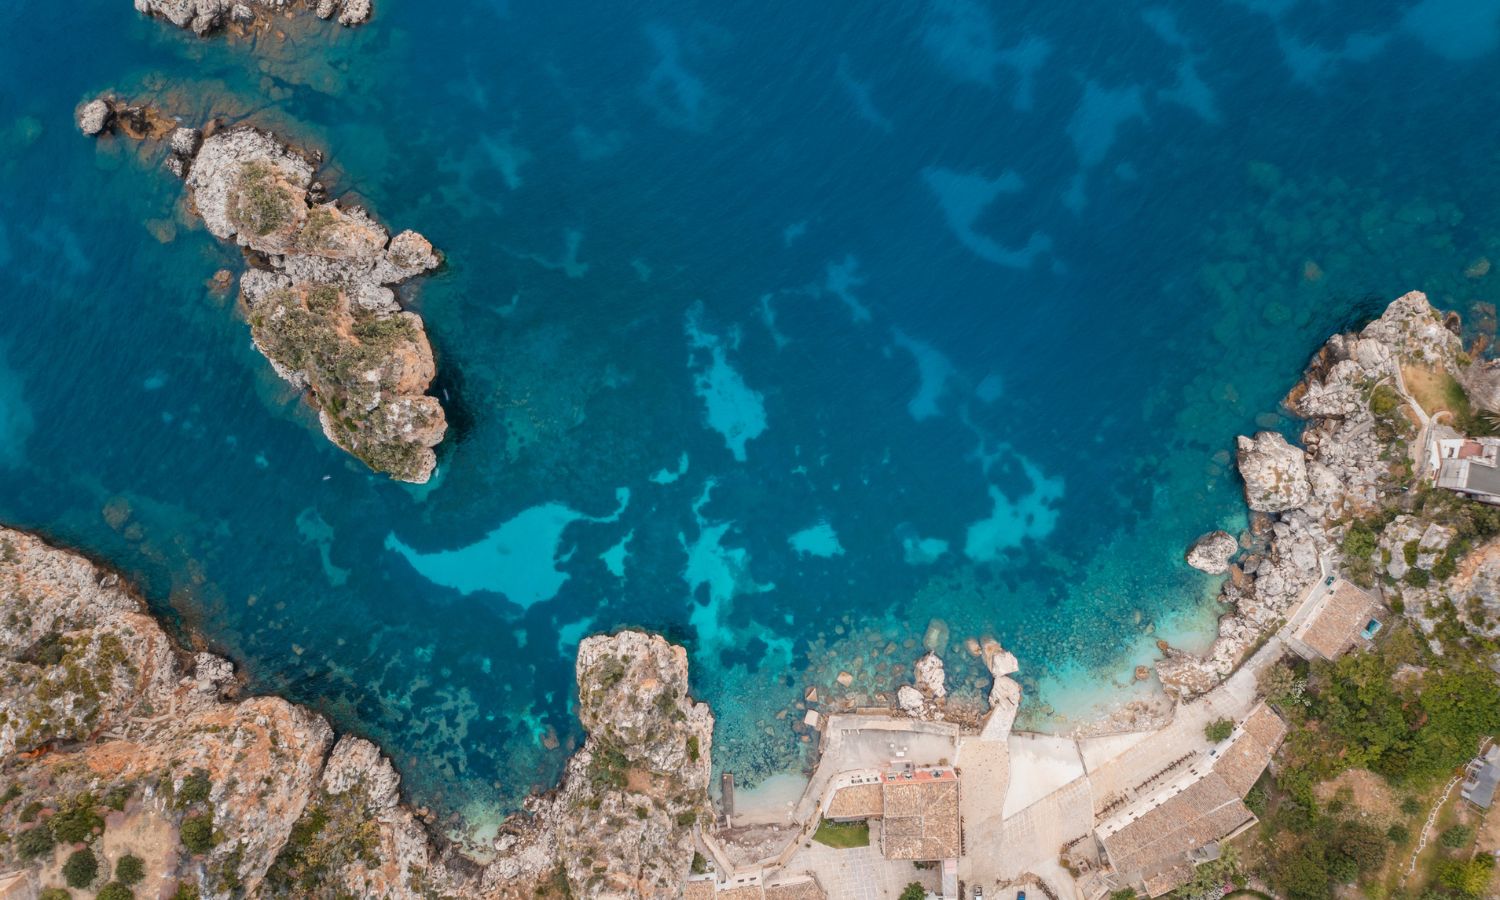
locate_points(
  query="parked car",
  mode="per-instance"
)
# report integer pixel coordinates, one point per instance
(979, 892)
(1020, 895)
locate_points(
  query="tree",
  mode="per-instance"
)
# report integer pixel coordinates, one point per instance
(54, 893)
(1219, 730)
(1363, 845)
(81, 868)
(35, 842)
(1398, 834)
(1457, 836)
(197, 833)
(913, 891)
(1124, 894)
(130, 870)
(115, 891)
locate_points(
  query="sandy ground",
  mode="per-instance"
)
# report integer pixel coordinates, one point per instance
(770, 802)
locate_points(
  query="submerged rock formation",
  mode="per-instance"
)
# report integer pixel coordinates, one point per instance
(1364, 441)
(204, 17)
(318, 295)
(106, 725)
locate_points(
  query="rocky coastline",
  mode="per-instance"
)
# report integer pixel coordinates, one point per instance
(205, 17)
(1365, 439)
(318, 291)
(116, 741)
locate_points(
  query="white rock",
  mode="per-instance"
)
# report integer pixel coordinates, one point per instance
(93, 117)
(1211, 552)
(1274, 471)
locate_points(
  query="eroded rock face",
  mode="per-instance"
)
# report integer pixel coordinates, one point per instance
(1274, 471)
(1361, 446)
(319, 298)
(204, 17)
(100, 709)
(1211, 552)
(647, 752)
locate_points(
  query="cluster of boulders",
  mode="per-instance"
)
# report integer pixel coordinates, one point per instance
(204, 17)
(318, 294)
(1303, 499)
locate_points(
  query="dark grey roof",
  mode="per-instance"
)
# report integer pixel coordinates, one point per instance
(1480, 791)
(1484, 479)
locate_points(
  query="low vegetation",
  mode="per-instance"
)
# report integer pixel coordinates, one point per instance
(1413, 732)
(843, 835)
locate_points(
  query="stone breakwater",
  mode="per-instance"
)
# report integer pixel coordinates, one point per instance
(204, 17)
(115, 740)
(1357, 457)
(318, 293)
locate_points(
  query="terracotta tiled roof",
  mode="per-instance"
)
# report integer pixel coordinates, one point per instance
(1153, 844)
(859, 801)
(1249, 754)
(748, 892)
(1170, 878)
(807, 889)
(1334, 627)
(698, 890)
(921, 820)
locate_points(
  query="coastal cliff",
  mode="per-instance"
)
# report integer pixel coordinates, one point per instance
(203, 17)
(318, 294)
(116, 742)
(1373, 402)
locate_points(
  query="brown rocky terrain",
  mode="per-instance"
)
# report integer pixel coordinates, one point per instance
(115, 741)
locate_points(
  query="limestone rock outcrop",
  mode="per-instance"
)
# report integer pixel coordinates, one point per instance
(1362, 447)
(103, 715)
(1274, 471)
(204, 17)
(1211, 552)
(1005, 692)
(319, 295)
(642, 777)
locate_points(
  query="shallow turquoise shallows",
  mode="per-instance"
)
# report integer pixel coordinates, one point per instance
(783, 328)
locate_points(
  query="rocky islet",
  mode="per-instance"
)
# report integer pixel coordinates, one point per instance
(318, 291)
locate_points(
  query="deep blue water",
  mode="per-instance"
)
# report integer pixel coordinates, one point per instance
(783, 328)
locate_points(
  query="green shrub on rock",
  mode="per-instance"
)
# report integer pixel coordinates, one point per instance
(115, 891)
(1457, 836)
(54, 893)
(81, 868)
(35, 842)
(78, 822)
(1219, 730)
(197, 833)
(130, 870)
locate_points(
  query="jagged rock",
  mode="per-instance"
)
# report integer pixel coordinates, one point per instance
(930, 677)
(910, 700)
(82, 662)
(1346, 471)
(1211, 552)
(94, 116)
(204, 17)
(184, 141)
(1274, 471)
(997, 659)
(212, 675)
(319, 310)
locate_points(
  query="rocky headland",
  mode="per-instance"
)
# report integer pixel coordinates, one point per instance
(318, 291)
(204, 17)
(1350, 500)
(115, 741)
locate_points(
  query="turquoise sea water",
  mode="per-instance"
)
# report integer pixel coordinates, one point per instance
(783, 328)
